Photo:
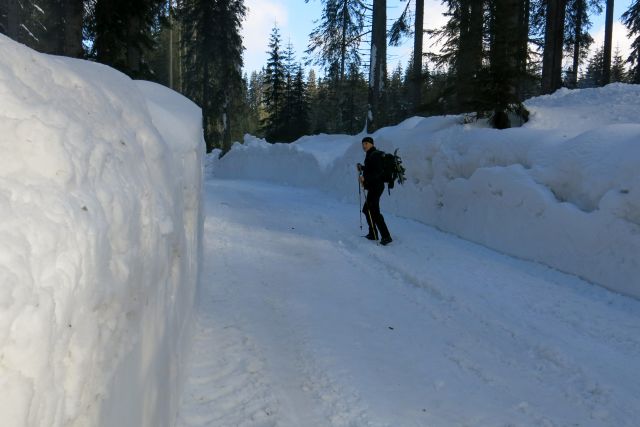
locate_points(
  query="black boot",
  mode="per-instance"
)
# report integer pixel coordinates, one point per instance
(371, 236)
(386, 240)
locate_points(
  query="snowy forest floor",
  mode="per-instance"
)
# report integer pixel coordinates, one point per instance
(303, 323)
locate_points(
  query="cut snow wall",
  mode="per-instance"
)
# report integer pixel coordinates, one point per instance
(100, 225)
(563, 190)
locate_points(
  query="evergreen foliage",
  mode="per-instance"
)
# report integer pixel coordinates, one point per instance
(494, 54)
(618, 72)
(594, 75)
(213, 63)
(576, 33)
(120, 32)
(337, 38)
(631, 20)
(274, 89)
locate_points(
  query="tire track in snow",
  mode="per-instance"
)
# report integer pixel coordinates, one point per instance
(235, 379)
(226, 386)
(517, 336)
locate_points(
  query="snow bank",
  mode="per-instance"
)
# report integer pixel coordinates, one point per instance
(100, 192)
(563, 190)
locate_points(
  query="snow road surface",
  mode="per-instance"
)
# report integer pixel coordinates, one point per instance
(303, 323)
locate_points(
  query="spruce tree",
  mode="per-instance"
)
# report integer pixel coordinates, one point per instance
(355, 100)
(631, 20)
(577, 37)
(377, 66)
(608, 39)
(212, 63)
(312, 96)
(254, 100)
(553, 45)
(594, 75)
(618, 73)
(397, 102)
(402, 27)
(120, 33)
(468, 60)
(504, 55)
(274, 88)
(299, 106)
(337, 37)
(12, 12)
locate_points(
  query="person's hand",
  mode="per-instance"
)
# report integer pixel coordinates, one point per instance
(359, 167)
(361, 178)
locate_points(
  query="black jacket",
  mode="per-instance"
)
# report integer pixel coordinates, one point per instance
(372, 170)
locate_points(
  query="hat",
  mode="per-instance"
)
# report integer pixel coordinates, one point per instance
(367, 139)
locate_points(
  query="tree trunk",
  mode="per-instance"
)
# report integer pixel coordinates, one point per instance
(504, 58)
(417, 55)
(51, 33)
(608, 34)
(73, 11)
(13, 19)
(577, 44)
(469, 59)
(378, 64)
(553, 46)
(523, 48)
(171, 29)
(134, 56)
(226, 127)
(343, 42)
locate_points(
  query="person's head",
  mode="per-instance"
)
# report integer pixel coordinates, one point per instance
(367, 143)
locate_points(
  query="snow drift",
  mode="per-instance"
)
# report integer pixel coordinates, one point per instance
(100, 224)
(563, 190)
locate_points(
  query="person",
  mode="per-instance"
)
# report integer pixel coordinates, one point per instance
(371, 179)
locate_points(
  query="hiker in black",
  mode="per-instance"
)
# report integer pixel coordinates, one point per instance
(371, 180)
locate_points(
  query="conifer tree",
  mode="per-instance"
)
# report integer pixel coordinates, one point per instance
(299, 123)
(212, 63)
(577, 37)
(618, 73)
(338, 36)
(631, 20)
(553, 45)
(594, 75)
(120, 32)
(377, 65)
(274, 88)
(355, 100)
(398, 104)
(13, 19)
(504, 55)
(402, 27)
(608, 38)
(468, 61)
(254, 101)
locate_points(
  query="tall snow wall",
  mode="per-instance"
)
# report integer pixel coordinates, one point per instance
(563, 190)
(100, 228)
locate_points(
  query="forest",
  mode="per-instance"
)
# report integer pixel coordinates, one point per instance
(495, 54)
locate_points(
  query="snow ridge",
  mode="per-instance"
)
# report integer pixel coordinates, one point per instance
(99, 242)
(563, 190)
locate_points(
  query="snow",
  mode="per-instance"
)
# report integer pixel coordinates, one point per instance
(302, 322)
(100, 242)
(298, 321)
(563, 190)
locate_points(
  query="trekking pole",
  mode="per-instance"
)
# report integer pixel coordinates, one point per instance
(360, 200)
(375, 232)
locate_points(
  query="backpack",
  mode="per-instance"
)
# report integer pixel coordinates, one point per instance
(392, 169)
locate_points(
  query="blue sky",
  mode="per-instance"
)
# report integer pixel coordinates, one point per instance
(295, 18)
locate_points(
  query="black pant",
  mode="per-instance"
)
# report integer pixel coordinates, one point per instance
(371, 210)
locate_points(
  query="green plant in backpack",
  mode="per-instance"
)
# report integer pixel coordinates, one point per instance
(392, 169)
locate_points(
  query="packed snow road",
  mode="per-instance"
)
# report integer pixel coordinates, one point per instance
(303, 323)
